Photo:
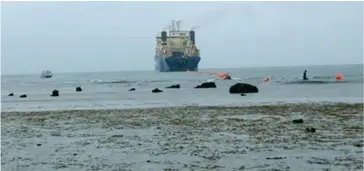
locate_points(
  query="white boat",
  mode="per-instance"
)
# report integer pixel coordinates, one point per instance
(46, 74)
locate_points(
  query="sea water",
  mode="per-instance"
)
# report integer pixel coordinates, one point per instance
(110, 89)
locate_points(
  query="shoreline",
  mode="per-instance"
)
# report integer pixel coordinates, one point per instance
(262, 137)
(247, 105)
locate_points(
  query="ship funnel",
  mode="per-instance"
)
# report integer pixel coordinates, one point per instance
(164, 36)
(192, 37)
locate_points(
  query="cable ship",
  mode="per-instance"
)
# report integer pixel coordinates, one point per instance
(176, 50)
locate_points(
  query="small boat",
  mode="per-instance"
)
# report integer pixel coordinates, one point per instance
(46, 74)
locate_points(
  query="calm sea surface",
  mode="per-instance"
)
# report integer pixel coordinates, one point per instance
(110, 89)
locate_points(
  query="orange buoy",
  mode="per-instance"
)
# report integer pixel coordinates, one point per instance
(339, 77)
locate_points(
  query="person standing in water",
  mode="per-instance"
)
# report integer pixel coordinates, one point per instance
(304, 75)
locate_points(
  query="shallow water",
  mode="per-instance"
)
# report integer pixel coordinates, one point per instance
(110, 89)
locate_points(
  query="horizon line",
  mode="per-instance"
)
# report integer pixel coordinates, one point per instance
(273, 66)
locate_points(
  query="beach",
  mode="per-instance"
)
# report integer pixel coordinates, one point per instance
(182, 87)
(262, 137)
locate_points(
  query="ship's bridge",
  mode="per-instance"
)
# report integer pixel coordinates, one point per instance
(174, 30)
(178, 33)
(175, 34)
(176, 40)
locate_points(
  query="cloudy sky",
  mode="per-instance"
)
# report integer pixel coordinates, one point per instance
(111, 36)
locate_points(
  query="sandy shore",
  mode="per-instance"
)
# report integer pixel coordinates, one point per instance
(189, 138)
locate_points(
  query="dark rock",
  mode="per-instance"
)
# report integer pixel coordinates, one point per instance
(242, 94)
(11, 94)
(358, 144)
(207, 85)
(297, 121)
(23, 96)
(242, 168)
(78, 89)
(174, 86)
(148, 161)
(55, 93)
(156, 90)
(310, 129)
(39, 145)
(243, 88)
(275, 158)
(118, 136)
(132, 89)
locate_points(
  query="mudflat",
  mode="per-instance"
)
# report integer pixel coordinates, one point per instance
(272, 137)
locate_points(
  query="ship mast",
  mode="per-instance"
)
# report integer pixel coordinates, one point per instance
(178, 24)
(174, 27)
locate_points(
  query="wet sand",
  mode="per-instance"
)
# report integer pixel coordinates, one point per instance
(186, 138)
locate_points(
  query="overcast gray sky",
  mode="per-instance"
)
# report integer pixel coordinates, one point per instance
(102, 36)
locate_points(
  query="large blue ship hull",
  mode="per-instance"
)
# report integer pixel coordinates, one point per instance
(176, 63)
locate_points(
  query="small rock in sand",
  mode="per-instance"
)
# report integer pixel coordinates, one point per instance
(56, 134)
(23, 96)
(358, 144)
(11, 94)
(310, 129)
(275, 158)
(118, 136)
(297, 121)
